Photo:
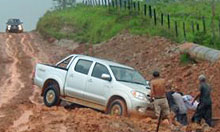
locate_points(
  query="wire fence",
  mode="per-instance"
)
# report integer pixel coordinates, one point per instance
(183, 29)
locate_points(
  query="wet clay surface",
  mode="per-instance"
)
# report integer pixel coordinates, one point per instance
(21, 106)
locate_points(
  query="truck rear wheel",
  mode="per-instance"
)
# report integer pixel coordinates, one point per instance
(117, 107)
(51, 96)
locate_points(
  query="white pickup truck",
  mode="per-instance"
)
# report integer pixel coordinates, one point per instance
(97, 83)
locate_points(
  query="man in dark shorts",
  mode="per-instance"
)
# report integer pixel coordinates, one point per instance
(204, 109)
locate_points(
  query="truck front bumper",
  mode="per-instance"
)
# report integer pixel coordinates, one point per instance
(139, 106)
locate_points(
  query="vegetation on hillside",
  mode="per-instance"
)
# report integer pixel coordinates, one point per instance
(94, 24)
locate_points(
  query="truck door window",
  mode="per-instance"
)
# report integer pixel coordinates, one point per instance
(83, 66)
(65, 63)
(98, 70)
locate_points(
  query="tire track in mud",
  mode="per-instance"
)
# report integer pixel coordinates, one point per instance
(20, 124)
(24, 111)
(12, 85)
(16, 89)
(24, 118)
(23, 123)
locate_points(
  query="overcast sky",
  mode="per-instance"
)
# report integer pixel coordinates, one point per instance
(29, 11)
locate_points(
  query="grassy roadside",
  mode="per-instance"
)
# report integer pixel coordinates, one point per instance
(89, 24)
(95, 24)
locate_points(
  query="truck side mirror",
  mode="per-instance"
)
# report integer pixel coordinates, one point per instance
(106, 77)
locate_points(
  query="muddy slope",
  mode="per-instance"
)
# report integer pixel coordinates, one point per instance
(21, 106)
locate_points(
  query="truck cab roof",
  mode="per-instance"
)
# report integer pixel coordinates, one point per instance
(14, 21)
(103, 61)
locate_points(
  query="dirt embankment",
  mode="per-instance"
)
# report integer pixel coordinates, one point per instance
(21, 107)
(148, 54)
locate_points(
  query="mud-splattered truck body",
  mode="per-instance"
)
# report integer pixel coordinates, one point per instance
(93, 82)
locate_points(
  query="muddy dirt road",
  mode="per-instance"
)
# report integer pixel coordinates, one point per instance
(18, 55)
(21, 107)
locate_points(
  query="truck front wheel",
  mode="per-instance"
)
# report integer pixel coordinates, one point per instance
(51, 96)
(118, 108)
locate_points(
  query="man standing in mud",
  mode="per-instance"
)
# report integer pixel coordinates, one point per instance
(204, 109)
(158, 94)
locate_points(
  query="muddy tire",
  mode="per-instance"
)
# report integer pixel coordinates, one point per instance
(118, 107)
(51, 96)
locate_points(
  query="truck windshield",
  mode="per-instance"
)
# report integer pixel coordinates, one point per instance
(127, 75)
(14, 21)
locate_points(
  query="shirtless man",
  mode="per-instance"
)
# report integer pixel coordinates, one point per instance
(158, 94)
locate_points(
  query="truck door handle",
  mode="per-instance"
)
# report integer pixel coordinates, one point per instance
(90, 80)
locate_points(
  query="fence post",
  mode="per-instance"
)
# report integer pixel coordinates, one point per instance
(176, 29)
(162, 19)
(113, 3)
(203, 22)
(134, 4)
(145, 9)
(168, 21)
(197, 27)
(129, 5)
(139, 6)
(184, 30)
(155, 17)
(150, 11)
(125, 5)
(193, 29)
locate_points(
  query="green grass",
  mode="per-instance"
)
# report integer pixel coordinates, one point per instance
(193, 11)
(97, 24)
(186, 59)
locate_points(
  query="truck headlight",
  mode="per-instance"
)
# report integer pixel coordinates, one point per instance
(148, 83)
(138, 95)
(19, 27)
(9, 27)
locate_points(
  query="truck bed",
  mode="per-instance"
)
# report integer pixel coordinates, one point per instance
(44, 72)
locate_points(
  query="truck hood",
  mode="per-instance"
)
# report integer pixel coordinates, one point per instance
(137, 87)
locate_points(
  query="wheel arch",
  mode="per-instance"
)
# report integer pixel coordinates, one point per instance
(48, 82)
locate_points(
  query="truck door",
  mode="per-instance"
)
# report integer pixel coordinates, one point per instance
(97, 88)
(77, 77)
